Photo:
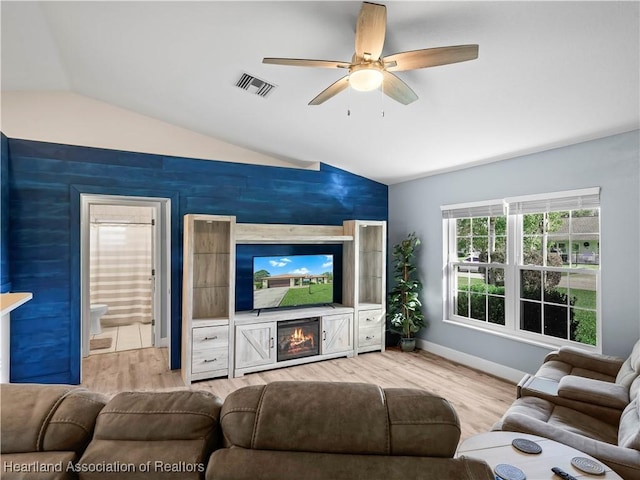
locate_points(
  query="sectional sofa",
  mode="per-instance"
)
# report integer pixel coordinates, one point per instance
(588, 401)
(283, 430)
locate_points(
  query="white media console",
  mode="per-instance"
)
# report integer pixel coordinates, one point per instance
(218, 341)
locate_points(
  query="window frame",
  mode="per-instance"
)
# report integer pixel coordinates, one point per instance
(513, 266)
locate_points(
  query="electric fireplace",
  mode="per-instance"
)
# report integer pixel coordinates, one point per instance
(298, 338)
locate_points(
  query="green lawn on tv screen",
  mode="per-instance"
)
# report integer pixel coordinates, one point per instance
(311, 294)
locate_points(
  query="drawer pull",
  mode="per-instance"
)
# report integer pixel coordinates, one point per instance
(211, 338)
(369, 319)
(210, 361)
(370, 338)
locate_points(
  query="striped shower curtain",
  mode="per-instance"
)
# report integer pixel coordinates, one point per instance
(121, 270)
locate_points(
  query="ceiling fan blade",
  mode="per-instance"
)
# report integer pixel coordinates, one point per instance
(431, 57)
(299, 62)
(370, 31)
(397, 89)
(334, 89)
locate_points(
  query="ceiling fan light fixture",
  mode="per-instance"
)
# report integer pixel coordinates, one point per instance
(365, 77)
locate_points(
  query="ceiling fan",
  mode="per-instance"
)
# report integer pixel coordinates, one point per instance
(367, 70)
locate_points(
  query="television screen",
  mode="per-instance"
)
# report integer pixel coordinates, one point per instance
(292, 280)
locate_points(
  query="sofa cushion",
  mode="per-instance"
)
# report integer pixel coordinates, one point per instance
(48, 417)
(560, 417)
(153, 435)
(38, 466)
(154, 416)
(339, 418)
(630, 368)
(593, 391)
(629, 431)
(421, 423)
(270, 465)
(131, 459)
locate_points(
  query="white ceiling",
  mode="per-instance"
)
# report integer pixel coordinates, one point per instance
(548, 74)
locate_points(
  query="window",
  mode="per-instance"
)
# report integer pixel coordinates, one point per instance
(526, 266)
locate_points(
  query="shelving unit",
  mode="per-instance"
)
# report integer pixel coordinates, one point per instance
(364, 280)
(208, 296)
(217, 341)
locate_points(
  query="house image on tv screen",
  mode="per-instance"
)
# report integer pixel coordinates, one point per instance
(292, 281)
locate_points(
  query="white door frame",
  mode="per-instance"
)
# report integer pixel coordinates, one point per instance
(161, 264)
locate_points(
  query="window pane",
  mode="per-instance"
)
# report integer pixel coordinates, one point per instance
(531, 284)
(478, 306)
(556, 254)
(585, 221)
(557, 222)
(463, 227)
(582, 287)
(479, 226)
(583, 326)
(496, 310)
(495, 277)
(552, 294)
(498, 225)
(462, 304)
(463, 247)
(480, 247)
(531, 317)
(463, 279)
(533, 223)
(532, 250)
(586, 249)
(498, 249)
(555, 321)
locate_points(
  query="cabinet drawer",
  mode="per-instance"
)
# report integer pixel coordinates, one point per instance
(370, 336)
(210, 359)
(206, 338)
(369, 318)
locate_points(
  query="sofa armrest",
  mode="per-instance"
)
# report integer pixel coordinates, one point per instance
(624, 461)
(606, 364)
(593, 391)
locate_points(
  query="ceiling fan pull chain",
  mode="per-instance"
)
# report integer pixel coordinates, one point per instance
(382, 99)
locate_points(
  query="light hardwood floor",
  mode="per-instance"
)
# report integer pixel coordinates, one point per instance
(479, 399)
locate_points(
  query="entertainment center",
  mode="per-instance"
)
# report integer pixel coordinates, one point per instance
(219, 341)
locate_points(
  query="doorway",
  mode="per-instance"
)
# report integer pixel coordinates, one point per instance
(125, 272)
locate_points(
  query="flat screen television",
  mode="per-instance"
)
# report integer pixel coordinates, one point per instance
(292, 281)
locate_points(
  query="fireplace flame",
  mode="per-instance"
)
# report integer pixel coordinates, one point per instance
(298, 338)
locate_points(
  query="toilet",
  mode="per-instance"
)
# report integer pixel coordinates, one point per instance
(97, 311)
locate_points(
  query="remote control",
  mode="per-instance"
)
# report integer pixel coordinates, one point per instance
(561, 473)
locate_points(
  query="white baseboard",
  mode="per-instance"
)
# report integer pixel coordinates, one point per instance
(492, 368)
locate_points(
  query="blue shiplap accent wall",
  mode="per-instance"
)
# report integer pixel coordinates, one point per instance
(45, 183)
(5, 282)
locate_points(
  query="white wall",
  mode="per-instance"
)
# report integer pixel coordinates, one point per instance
(612, 163)
(73, 119)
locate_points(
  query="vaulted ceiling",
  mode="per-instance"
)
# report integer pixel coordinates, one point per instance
(548, 74)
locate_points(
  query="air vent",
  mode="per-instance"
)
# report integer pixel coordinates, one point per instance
(254, 85)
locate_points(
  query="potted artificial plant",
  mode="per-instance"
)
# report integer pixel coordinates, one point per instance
(405, 309)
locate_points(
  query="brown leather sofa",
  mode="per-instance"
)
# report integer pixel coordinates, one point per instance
(44, 429)
(284, 430)
(314, 431)
(587, 401)
(160, 435)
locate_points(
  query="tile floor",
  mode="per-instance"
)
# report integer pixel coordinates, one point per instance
(126, 337)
